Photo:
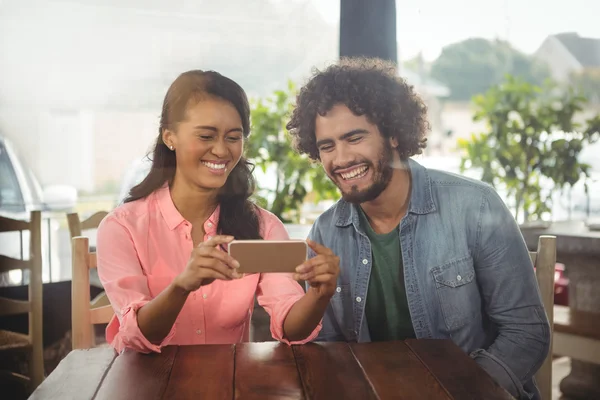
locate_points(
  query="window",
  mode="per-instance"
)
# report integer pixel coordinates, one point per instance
(11, 198)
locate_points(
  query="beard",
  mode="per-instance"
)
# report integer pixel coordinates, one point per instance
(382, 175)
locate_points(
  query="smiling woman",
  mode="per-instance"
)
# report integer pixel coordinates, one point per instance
(160, 255)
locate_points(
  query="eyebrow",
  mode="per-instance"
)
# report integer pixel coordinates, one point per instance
(343, 137)
(214, 129)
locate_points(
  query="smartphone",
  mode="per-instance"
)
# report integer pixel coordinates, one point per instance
(259, 256)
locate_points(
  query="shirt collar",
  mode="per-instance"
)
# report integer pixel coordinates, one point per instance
(172, 216)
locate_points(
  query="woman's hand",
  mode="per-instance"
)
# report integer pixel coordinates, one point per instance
(321, 272)
(208, 263)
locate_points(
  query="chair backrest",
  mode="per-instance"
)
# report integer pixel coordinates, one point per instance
(83, 313)
(544, 260)
(33, 306)
(76, 226)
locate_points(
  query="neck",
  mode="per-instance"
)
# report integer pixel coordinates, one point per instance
(193, 203)
(391, 205)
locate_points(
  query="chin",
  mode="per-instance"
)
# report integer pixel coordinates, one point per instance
(211, 183)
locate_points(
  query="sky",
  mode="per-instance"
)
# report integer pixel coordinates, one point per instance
(429, 25)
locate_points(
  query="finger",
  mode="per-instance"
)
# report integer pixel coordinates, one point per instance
(216, 240)
(212, 252)
(320, 269)
(313, 262)
(211, 274)
(320, 279)
(318, 248)
(209, 263)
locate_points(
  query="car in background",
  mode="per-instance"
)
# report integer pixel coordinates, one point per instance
(21, 193)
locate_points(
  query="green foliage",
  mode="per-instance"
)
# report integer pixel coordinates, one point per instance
(270, 148)
(474, 65)
(533, 135)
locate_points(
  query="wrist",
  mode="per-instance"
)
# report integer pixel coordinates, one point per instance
(318, 296)
(179, 287)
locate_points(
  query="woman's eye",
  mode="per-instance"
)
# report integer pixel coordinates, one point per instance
(234, 138)
(205, 137)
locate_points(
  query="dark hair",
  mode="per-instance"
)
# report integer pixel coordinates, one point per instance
(368, 87)
(238, 214)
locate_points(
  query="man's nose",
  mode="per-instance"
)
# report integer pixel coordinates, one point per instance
(343, 157)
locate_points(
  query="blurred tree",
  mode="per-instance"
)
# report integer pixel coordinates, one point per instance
(270, 148)
(588, 82)
(473, 65)
(532, 135)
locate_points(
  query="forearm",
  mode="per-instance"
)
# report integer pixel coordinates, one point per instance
(518, 351)
(156, 318)
(304, 316)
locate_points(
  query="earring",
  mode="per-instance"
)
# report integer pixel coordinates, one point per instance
(171, 147)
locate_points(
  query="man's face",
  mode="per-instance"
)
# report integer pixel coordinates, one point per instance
(354, 154)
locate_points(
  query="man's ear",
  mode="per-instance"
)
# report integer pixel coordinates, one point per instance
(394, 142)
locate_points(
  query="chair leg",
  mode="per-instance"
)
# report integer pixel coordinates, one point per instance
(36, 368)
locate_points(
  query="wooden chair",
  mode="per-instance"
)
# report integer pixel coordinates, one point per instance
(31, 344)
(85, 314)
(544, 260)
(76, 226)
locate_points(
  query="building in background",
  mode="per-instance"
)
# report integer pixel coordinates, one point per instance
(568, 53)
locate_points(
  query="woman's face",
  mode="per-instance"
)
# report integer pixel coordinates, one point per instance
(208, 143)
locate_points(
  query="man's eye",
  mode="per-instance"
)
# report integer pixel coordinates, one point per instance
(234, 139)
(325, 148)
(355, 139)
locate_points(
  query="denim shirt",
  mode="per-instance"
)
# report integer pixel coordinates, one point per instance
(467, 272)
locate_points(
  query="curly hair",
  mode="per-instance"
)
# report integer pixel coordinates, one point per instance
(368, 87)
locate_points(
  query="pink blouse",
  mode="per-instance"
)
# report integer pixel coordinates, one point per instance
(143, 245)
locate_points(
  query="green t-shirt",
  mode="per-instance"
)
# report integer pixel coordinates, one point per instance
(386, 308)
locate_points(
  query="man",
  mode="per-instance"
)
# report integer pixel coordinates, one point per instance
(424, 253)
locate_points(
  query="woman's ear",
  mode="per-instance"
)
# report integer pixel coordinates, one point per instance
(169, 139)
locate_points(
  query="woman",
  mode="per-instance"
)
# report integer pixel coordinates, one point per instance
(160, 255)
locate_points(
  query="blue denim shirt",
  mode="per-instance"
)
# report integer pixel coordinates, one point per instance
(467, 273)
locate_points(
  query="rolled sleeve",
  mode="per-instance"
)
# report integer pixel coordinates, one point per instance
(277, 293)
(130, 335)
(126, 286)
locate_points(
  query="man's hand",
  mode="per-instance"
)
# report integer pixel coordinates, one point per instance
(321, 271)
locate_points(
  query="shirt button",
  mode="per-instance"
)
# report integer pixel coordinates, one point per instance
(210, 225)
(199, 332)
(204, 296)
(338, 289)
(459, 278)
(358, 299)
(365, 261)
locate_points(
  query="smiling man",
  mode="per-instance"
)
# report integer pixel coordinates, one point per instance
(423, 253)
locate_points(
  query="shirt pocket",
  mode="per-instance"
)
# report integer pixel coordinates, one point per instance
(457, 291)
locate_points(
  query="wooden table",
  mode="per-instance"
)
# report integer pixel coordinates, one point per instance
(415, 369)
